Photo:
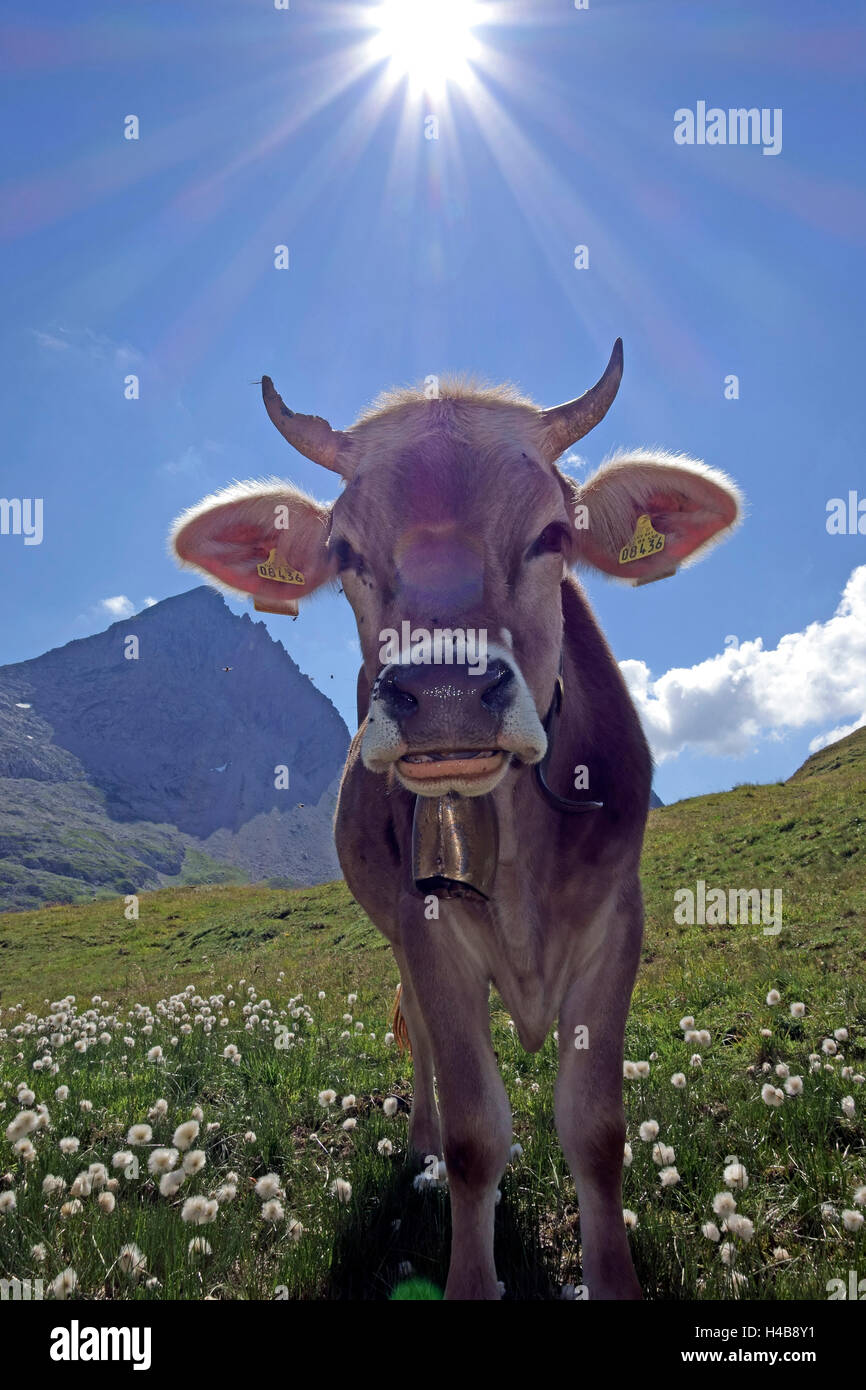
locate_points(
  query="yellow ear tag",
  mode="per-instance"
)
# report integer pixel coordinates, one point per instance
(645, 542)
(282, 574)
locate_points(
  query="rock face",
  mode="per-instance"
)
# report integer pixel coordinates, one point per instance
(170, 738)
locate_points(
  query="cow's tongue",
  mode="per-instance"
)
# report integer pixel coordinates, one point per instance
(453, 755)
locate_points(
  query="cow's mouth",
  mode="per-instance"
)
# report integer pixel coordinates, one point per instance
(452, 762)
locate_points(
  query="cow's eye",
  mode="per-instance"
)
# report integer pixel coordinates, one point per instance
(552, 540)
(346, 557)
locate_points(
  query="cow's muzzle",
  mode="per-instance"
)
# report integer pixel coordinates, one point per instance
(444, 728)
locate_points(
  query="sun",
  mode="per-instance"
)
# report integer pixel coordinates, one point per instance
(429, 41)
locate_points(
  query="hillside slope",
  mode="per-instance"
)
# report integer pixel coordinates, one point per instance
(805, 836)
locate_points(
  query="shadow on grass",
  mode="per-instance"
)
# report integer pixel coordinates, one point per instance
(393, 1235)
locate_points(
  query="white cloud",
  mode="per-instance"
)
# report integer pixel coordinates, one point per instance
(119, 607)
(84, 342)
(722, 705)
(833, 735)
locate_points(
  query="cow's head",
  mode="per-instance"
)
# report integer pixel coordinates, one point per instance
(451, 540)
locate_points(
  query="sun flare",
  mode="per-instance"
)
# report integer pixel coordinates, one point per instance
(429, 41)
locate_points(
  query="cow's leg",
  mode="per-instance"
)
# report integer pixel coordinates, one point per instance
(589, 1111)
(424, 1132)
(476, 1119)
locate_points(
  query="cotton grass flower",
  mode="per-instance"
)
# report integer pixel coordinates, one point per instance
(199, 1246)
(349, 1124)
(38, 1253)
(273, 1211)
(848, 1107)
(630, 1218)
(829, 1048)
(794, 1086)
(131, 1261)
(840, 1034)
(8, 1203)
(649, 1131)
(385, 1147)
(728, 1253)
(780, 1255)
(62, 1093)
(162, 1160)
(225, 1193)
(798, 1010)
(711, 1231)
(852, 1220)
(342, 1190)
(663, 1154)
(171, 1183)
(199, 1211)
(678, 1080)
(122, 1159)
(390, 1105)
(735, 1176)
(860, 1196)
(669, 1177)
(269, 1186)
(65, 1284)
(627, 1155)
(69, 1145)
(741, 1227)
(194, 1160)
(139, 1134)
(106, 1202)
(724, 1205)
(71, 1208)
(185, 1134)
(25, 1122)
(327, 1098)
(347, 1103)
(771, 1095)
(774, 997)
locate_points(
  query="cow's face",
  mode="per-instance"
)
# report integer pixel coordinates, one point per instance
(451, 541)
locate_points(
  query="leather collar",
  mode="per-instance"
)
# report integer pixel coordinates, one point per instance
(559, 803)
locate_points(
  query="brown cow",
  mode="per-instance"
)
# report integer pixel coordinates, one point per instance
(458, 827)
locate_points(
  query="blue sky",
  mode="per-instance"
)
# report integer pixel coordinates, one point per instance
(410, 256)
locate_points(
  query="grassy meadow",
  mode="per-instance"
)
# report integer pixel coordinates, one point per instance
(224, 1013)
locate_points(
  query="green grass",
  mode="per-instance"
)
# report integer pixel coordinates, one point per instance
(805, 837)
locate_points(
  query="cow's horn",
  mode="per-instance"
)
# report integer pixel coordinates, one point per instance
(309, 434)
(565, 424)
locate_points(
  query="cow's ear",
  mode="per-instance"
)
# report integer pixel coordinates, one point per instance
(265, 539)
(643, 515)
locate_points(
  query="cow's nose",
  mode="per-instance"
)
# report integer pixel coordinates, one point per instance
(444, 690)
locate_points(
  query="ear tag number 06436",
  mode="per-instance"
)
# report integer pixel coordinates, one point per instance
(281, 574)
(646, 541)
